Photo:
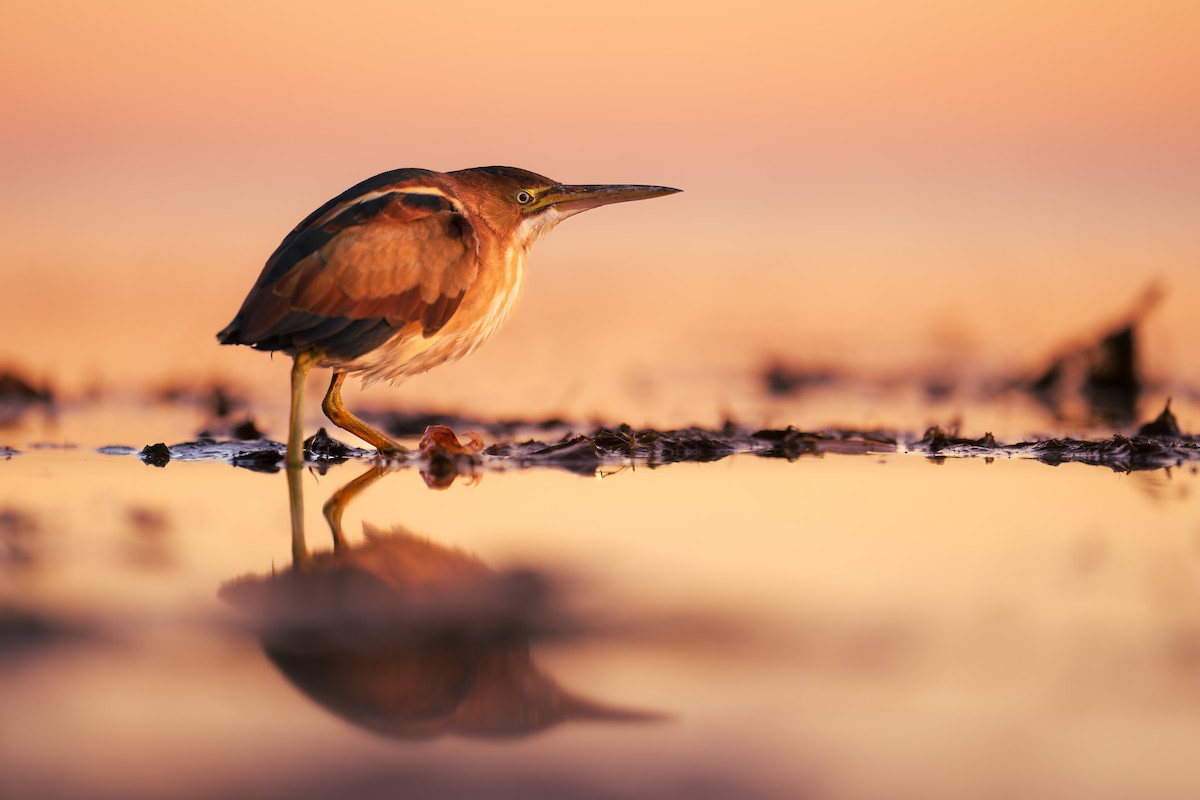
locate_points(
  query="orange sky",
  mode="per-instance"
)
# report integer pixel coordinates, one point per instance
(859, 177)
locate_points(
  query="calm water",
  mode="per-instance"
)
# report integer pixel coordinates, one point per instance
(879, 626)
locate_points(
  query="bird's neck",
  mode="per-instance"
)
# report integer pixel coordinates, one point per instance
(530, 229)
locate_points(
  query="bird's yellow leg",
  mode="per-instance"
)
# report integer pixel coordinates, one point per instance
(295, 444)
(335, 409)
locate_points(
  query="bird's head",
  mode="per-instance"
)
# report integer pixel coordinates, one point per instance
(520, 205)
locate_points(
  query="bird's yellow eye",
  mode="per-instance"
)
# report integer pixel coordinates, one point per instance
(524, 197)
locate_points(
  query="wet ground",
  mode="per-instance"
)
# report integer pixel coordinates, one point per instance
(596, 610)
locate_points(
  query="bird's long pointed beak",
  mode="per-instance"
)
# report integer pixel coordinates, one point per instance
(574, 199)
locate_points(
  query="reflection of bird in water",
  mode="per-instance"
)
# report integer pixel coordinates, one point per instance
(408, 638)
(402, 272)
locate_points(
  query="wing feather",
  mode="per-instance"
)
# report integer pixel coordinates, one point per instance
(391, 256)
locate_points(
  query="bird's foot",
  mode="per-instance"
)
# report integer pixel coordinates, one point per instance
(393, 450)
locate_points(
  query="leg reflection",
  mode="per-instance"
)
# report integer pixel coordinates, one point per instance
(296, 509)
(336, 504)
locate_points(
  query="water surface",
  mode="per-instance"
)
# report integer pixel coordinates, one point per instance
(881, 625)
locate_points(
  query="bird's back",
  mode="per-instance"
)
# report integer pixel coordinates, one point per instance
(390, 252)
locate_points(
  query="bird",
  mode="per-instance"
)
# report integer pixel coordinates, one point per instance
(401, 272)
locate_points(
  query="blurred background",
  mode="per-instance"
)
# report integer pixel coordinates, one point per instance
(902, 207)
(874, 186)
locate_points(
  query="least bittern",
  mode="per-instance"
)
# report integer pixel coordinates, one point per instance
(405, 271)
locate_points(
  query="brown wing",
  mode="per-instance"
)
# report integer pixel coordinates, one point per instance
(349, 278)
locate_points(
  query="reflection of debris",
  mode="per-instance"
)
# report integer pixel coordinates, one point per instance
(18, 529)
(146, 521)
(263, 459)
(1102, 375)
(150, 527)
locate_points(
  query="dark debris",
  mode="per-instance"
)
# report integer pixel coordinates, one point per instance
(413, 424)
(1119, 453)
(19, 395)
(1164, 426)
(156, 455)
(1103, 374)
(1157, 444)
(217, 400)
(791, 443)
(259, 455)
(937, 440)
(784, 380)
(584, 454)
(17, 390)
(577, 454)
(1104, 371)
(665, 447)
(246, 430)
(322, 446)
